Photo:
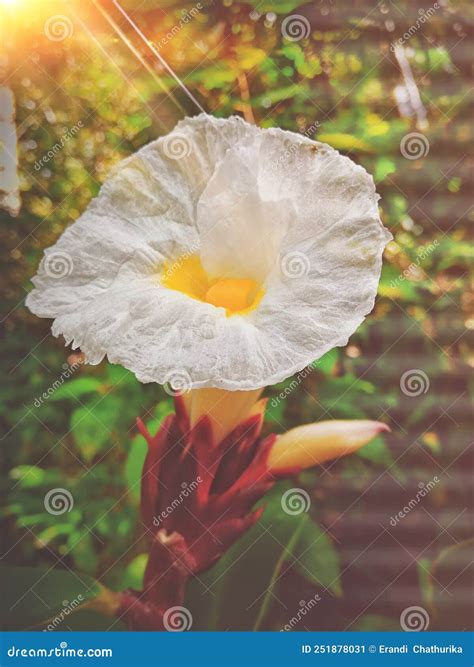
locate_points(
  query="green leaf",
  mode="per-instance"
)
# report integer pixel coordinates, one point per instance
(274, 410)
(377, 451)
(134, 466)
(50, 533)
(383, 168)
(314, 554)
(76, 388)
(423, 566)
(284, 93)
(81, 547)
(327, 362)
(36, 596)
(28, 477)
(93, 425)
(338, 396)
(318, 561)
(135, 571)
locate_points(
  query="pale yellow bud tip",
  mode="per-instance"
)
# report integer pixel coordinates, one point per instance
(312, 444)
(225, 409)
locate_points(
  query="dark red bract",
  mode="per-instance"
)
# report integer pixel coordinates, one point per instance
(197, 499)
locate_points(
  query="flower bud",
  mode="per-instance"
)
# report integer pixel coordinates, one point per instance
(311, 444)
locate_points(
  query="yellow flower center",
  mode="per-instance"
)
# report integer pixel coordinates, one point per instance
(236, 295)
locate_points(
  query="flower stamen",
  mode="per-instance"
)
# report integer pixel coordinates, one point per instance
(233, 294)
(236, 295)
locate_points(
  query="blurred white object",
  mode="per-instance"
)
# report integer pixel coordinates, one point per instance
(407, 94)
(9, 184)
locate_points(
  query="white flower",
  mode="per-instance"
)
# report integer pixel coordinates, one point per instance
(222, 253)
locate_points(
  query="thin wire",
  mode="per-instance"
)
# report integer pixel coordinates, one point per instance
(138, 55)
(159, 57)
(150, 110)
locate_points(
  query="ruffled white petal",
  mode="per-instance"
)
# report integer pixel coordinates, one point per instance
(265, 204)
(241, 228)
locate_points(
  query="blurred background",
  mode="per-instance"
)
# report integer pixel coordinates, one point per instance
(84, 84)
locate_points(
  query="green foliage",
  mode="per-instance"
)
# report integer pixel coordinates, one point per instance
(378, 452)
